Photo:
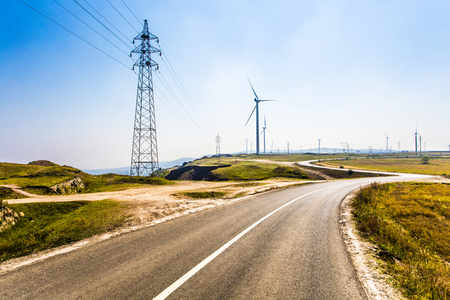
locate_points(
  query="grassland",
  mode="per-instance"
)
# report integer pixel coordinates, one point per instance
(438, 165)
(38, 179)
(411, 223)
(48, 225)
(251, 170)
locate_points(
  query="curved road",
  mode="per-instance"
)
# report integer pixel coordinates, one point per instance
(279, 245)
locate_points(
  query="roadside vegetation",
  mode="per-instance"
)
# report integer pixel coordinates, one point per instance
(410, 222)
(48, 225)
(204, 194)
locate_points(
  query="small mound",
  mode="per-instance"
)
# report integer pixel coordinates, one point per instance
(42, 163)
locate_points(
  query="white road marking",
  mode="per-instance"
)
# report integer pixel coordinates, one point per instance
(164, 294)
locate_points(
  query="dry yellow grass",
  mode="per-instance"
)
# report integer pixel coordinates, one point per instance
(437, 166)
(411, 221)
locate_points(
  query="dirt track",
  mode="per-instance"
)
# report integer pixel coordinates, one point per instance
(146, 204)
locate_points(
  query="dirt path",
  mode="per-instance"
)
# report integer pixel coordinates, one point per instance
(17, 189)
(151, 203)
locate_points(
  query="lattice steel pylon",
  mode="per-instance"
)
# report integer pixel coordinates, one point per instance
(144, 156)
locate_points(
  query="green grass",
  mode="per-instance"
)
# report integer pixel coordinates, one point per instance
(114, 182)
(412, 222)
(33, 176)
(436, 165)
(48, 225)
(39, 179)
(251, 170)
(7, 193)
(204, 194)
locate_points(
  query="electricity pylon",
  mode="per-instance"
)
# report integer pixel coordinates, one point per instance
(144, 156)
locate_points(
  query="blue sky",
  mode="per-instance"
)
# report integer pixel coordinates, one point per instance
(347, 71)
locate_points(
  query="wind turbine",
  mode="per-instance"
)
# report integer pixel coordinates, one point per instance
(257, 100)
(387, 142)
(319, 143)
(264, 133)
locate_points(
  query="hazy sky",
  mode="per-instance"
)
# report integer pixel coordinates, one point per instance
(347, 71)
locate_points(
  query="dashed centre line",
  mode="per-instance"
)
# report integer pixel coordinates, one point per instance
(164, 294)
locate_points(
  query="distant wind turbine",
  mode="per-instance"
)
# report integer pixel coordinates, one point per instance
(387, 142)
(319, 143)
(264, 133)
(257, 100)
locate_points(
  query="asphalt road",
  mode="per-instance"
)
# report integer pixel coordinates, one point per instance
(278, 245)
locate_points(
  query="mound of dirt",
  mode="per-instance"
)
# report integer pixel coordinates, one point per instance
(195, 173)
(42, 163)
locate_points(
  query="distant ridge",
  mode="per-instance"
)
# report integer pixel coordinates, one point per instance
(126, 170)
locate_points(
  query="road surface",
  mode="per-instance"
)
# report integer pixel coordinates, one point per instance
(278, 245)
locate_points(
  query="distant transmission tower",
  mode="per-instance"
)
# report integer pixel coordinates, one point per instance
(144, 156)
(218, 139)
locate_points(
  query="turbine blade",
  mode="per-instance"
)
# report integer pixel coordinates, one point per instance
(250, 115)
(266, 100)
(265, 121)
(252, 88)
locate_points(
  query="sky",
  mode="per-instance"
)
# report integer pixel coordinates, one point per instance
(344, 71)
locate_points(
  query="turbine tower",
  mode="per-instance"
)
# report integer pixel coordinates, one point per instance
(257, 100)
(319, 143)
(264, 133)
(144, 156)
(387, 142)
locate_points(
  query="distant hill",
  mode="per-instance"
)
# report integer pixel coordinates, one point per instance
(126, 170)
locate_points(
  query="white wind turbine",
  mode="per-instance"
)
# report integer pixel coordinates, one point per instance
(257, 100)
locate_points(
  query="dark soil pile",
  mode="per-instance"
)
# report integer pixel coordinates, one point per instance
(195, 173)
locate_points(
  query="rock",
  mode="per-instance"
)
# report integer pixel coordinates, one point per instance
(8, 218)
(22, 214)
(70, 187)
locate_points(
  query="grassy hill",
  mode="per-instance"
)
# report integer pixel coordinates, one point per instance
(38, 178)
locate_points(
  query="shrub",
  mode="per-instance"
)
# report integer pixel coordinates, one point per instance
(425, 159)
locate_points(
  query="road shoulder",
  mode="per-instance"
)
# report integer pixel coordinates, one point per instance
(362, 253)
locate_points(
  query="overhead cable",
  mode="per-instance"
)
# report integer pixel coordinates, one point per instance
(126, 44)
(167, 86)
(90, 27)
(178, 82)
(140, 22)
(126, 37)
(135, 10)
(74, 34)
(122, 16)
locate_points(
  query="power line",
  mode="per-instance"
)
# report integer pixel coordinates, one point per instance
(178, 82)
(135, 10)
(74, 34)
(126, 44)
(122, 16)
(90, 27)
(131, 12)
(174, 111)
(166, 84)
(108, 22)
